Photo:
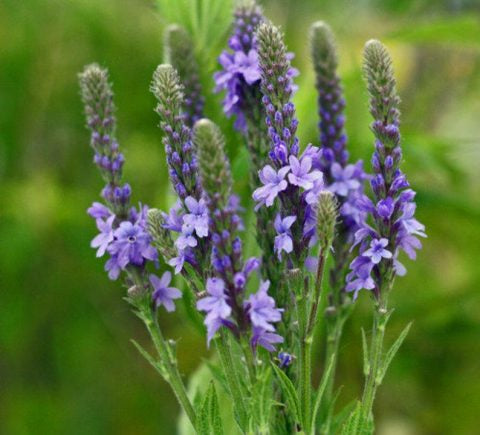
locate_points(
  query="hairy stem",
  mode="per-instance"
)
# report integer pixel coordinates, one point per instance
(172, 375)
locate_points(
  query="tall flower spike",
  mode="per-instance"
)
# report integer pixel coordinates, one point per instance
(331, 103)
(169, 92)
(394, 227)
(97, 97)
(277, 88)
(179, 52)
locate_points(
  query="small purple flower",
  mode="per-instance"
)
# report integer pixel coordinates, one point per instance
(385, 207)
(177, 262)
(174, 219)
(163, 294)
(198, 217)
(301, 175)
(345, 179)
(266, 339)
(103, 240)
(99, 211)
(285, 359)
(377, 250)
(215, 305)
(113, 268)
(283, 241)
(273, 183)
(132, 245)
(261, 309)
(186, 239)
(361, 282)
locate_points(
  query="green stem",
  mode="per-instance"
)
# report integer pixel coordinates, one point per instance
(334, 335)
(305, 380)
(376, 345)
(172, 375)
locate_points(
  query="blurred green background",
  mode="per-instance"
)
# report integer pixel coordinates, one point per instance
(66, 363)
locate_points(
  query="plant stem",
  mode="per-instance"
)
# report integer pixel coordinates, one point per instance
(172, 375)
(376, 345)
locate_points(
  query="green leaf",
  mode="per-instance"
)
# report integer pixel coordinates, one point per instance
(366, 363)
(208, 416)
(356, 423)
(339, 419)
(392, 351)
(155, 364)
(290, 393)
(321, 389)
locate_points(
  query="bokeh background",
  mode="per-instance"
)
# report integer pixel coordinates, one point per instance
(66, 363)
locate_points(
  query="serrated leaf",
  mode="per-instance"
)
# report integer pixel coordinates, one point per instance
(392, 351)
(290, 393)
(208, 416)
(366, 359)
(351, 426)
(320, 391)
(339, 419)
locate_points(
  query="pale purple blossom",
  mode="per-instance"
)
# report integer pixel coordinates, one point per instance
(283, 240)
(215, 305)
(377, 250)
(99, 211)
(163, 294)
(131, 245)
(344, 179)
(273, 183)
(198, 216)
(103, 240)
(261, 309)
(266, 339)
(301, 174)
(186, 239)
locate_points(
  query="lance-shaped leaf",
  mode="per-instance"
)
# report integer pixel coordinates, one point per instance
(208, 416)
(321, 390)
(391, 353)
(290, 393)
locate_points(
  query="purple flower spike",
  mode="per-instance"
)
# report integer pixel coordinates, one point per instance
(273, 183)
(377, 250)
(163, 294)
(301, 175)
(103, 240)
(283, 241)
(215, 305)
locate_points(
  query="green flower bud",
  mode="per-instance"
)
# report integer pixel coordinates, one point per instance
(327, 212)
(179, 52)
(378, 71)
(161, 238)
(213, 165)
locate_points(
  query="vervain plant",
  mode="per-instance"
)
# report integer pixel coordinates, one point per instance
(311, 203)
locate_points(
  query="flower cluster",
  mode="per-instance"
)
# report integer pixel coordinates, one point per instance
(391, 213)
(122, 229)
(188, 217)
(240, 74)
(226, 290)
(342, 178)
(295, 180)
